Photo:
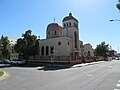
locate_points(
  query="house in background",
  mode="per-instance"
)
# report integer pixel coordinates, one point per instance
(12, 41)
(88, 52)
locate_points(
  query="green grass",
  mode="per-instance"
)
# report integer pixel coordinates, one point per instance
(1, 73)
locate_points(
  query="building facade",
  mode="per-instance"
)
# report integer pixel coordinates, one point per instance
(62, 43)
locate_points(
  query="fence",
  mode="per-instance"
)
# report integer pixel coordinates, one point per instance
(62, 59)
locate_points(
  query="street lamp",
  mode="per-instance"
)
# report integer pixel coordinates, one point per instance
(114, 20)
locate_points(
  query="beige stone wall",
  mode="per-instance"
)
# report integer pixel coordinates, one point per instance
(71, 33)
(51, 33)
(64, 49)
(81, 48)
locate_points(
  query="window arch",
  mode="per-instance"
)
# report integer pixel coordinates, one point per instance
(55, 32)
(42, 50)
(47, 50)
(64, 25)
(52, 50)
(75, 39)
(88, 53)
(70, 24)
(67, 24)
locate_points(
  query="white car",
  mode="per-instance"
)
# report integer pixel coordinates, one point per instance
(6, 61)
(17, 62)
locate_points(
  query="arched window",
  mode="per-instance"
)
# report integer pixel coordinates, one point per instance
(52, 50)
(64, 25)
(88, 53)
(47, 50)
(42, 50)
(55, 32)
(70, 24)
(75, 39)
(68, 43)
(67, 24)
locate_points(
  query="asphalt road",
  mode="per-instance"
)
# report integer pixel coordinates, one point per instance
(102, 76)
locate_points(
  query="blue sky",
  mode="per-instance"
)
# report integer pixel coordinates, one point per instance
(17, 16)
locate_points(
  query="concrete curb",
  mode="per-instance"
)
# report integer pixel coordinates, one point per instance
(5, 75)
(87, 64)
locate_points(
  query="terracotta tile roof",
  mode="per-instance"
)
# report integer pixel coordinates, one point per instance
(69, 18)
(54, 26)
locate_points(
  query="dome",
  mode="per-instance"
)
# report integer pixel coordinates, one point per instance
(53, 30)
(54, 26)
(69, 18)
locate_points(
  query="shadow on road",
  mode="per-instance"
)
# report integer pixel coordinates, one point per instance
(47, 67)
(52, 68)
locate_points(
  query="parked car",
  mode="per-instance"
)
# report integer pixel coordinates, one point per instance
(1, 61)
(18, 62)
(6, 61)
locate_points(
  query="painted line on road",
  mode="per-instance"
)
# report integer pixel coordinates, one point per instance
(110, 66)
(118, 85)
(118, 80)
(90, 75)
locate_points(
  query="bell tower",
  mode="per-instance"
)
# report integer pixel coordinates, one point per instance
(70, 29)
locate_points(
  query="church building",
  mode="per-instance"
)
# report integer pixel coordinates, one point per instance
(62, 43)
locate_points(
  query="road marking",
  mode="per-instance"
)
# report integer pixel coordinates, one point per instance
(90, 75)
(118, 85)
(118, 80)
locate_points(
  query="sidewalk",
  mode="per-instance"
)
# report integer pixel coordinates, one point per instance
(56, 66)
(86, 64)
(5, 65)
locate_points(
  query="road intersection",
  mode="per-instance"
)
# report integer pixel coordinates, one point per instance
(98, 76)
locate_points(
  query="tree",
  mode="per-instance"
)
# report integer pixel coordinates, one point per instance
(34, 49)
(27, 45)
(5, 48)
(102, 49)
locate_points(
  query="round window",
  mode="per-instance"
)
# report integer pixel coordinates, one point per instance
(59, 43)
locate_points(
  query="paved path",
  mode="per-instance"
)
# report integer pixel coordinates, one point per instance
(102, 76)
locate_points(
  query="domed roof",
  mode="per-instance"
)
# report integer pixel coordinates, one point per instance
(54, 26)
(69, 18)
